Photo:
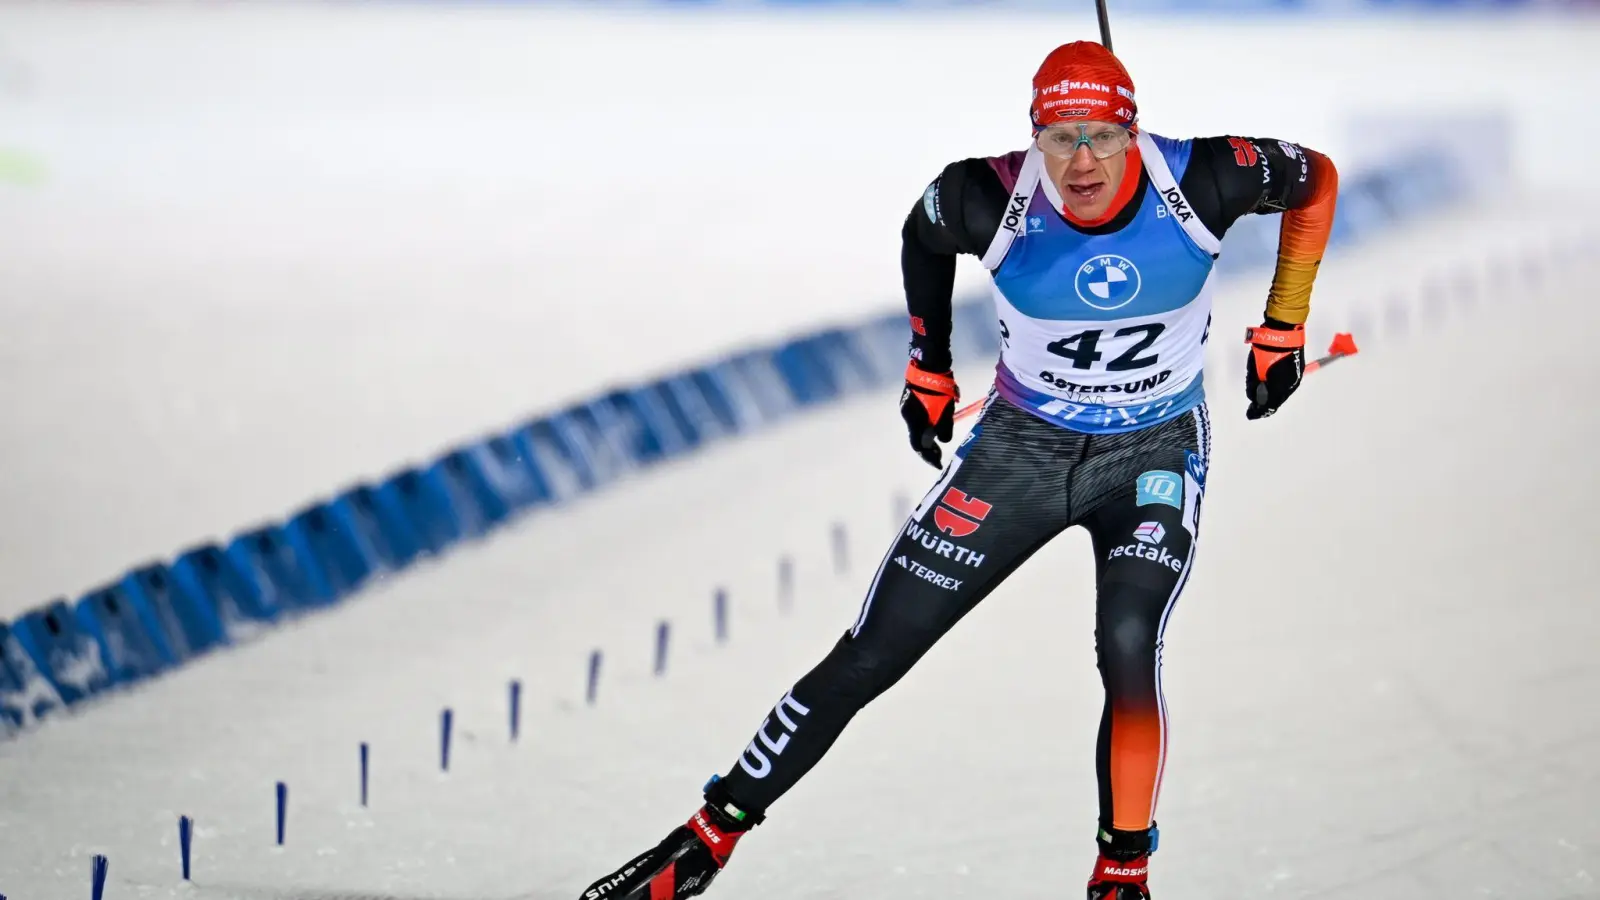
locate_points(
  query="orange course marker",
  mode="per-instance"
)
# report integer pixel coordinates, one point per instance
(1344, 344)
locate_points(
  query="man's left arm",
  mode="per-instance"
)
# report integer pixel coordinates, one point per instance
(1238, 176)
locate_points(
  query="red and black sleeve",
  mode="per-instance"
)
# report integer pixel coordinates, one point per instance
(958, 213)
(1231, 177)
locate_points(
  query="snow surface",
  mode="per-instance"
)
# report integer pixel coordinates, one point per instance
(281, 246)
(1381, 677)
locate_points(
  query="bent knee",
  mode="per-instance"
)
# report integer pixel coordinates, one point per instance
(1130, 622)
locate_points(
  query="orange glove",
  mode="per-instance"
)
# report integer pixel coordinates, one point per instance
(1273, 371)
(928, 404)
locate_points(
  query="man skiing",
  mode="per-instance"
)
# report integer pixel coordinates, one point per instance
(1100, 240)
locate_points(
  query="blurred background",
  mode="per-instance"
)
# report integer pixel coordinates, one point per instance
(255, 253)
(256, 234)
(252, 237)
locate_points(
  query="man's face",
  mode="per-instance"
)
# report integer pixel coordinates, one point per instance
(1086, 182)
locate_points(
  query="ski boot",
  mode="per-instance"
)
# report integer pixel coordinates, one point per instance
(1124, 865)
(683, 864)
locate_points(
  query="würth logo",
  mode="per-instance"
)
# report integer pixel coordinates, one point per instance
(946, 517)
(1244, 152)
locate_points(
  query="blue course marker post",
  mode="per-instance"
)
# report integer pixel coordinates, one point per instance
(185, 842)
(516, 708)
(594, 677)
(446, 719)
(366, 760)
(283, 809)
(663, 635)
(719, 615)
(841, 549)
(785, 583)
(97, 877)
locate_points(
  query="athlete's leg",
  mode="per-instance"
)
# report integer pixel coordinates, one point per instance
(1002, 496)
(1140, 496)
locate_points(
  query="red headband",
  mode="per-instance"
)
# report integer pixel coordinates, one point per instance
(1082, 80)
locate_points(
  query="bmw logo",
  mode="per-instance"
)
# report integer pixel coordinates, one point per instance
(1107, 281)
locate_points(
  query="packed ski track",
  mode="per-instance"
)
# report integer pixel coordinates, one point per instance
(1380, 679)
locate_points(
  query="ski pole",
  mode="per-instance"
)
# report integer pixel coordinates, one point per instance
(1344, 344)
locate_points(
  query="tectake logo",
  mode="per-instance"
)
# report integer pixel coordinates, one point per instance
(1036, 225)
(1107, 282)
(951, 516)
(1149, 533)
(1148, 550)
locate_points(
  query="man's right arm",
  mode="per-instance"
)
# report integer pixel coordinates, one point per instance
(958, 213)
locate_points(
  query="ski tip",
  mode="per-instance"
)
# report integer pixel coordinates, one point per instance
(1344, 344)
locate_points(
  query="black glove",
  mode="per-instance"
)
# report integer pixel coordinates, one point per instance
(1276, 363)
(928, 404)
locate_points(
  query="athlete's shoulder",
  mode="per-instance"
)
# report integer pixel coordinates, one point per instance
(968, 198)
(1170, 146)
(1229, 176)
(1259, 164)
(1007, 168)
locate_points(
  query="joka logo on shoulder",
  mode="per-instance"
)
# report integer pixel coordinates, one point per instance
(951, 515)
(1107, 281)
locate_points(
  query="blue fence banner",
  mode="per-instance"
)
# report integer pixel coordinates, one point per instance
(185, 621)
(593, 428)
(723, 384)
(639, 425)
(132, 644)
(384, 530)
(422, 502)
(555, 464)
(67, 657)
(476, 511)
(338, 553)
(273, 574)
(25, 694)
(208, 573)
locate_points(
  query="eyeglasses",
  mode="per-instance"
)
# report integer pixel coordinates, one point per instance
(1104, 139)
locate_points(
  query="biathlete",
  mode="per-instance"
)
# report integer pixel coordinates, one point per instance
(1100, 238)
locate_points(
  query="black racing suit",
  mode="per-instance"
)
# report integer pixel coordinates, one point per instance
(1013, 484)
